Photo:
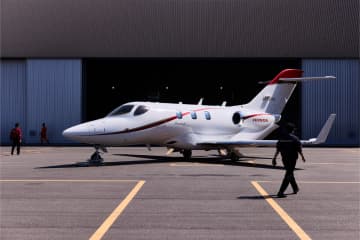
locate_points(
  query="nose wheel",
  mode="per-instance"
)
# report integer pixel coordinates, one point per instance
(95, 158)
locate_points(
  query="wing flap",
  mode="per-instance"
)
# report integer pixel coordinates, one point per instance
(243, 143)
(321, 138)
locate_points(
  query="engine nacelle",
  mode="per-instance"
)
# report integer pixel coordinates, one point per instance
(257, 121)
(237, 118)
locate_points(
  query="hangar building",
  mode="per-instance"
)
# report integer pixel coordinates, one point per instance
(65, 62)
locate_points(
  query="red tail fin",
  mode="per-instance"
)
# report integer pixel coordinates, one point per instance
(287, 73)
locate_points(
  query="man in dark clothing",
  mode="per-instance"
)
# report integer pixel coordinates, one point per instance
(289, 146)
(16, 137)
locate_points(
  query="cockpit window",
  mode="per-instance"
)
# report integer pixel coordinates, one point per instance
(121, 110)
(141, 110)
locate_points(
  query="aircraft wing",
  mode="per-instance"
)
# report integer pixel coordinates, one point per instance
(321, 138)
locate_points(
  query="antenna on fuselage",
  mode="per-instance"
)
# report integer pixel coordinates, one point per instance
(200, 101)
(223, 104)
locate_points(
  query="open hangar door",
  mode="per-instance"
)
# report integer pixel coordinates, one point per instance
(109, 83)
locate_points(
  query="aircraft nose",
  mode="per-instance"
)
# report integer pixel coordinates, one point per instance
(77, 131)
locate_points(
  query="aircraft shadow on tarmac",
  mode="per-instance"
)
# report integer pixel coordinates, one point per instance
(153, 159)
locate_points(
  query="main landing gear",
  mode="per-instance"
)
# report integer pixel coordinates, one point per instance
(233, 157)
(187, 154)
(233, 154)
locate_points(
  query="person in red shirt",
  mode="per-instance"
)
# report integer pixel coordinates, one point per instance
(43, 134)
(16, 138)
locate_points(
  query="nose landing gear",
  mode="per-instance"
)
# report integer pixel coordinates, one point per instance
(95, 158)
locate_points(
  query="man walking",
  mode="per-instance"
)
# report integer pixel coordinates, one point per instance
(16, 137)
(289, 146)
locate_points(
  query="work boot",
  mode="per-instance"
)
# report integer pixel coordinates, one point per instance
(281, 195)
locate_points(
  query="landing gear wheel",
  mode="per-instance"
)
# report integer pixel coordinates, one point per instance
(96, 158)
(187, 154)
(233, 157)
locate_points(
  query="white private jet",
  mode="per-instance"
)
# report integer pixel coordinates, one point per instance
(185, 127)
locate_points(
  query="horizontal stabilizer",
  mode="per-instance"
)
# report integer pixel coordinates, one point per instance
(302, 79)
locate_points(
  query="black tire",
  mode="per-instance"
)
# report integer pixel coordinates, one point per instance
(96, 156)
(233, 157)
(187, 154)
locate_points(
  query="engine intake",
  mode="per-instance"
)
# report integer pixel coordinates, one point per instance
(237, 117)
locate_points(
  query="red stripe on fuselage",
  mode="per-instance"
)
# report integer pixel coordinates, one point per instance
(153, 124)
(255, 115)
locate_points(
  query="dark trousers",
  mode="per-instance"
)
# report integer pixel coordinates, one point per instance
(15, 143)
(289, 178)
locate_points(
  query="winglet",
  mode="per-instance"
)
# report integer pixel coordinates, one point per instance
(303, 79)
(321, 138)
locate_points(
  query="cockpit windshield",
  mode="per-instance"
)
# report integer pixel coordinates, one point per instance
(141, 110)
(121, 110)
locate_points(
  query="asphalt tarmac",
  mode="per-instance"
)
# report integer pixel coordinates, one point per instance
(49, 193)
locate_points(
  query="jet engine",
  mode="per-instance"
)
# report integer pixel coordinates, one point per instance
(238, 118)
(256, 121)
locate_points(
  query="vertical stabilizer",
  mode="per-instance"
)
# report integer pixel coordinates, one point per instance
(273, 98)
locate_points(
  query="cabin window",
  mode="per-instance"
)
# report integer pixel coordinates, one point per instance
(207, 115)
(141, 110)
(179, 115)
(121, 110)
(193, 115)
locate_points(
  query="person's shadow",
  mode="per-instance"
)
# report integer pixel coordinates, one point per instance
(258, 197)
(263, 197)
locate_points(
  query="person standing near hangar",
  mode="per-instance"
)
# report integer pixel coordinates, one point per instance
(16, 138)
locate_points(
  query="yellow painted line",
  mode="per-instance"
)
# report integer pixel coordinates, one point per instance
(23, 151)
(352, 150)
(112, 217)
(195, 165)
(116, 213)
(251, 161)
(288, 220)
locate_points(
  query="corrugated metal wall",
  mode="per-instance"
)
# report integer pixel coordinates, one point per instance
(53, 97)
(37, 91)
(183, 28)
(13, 96)
(340, 96)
